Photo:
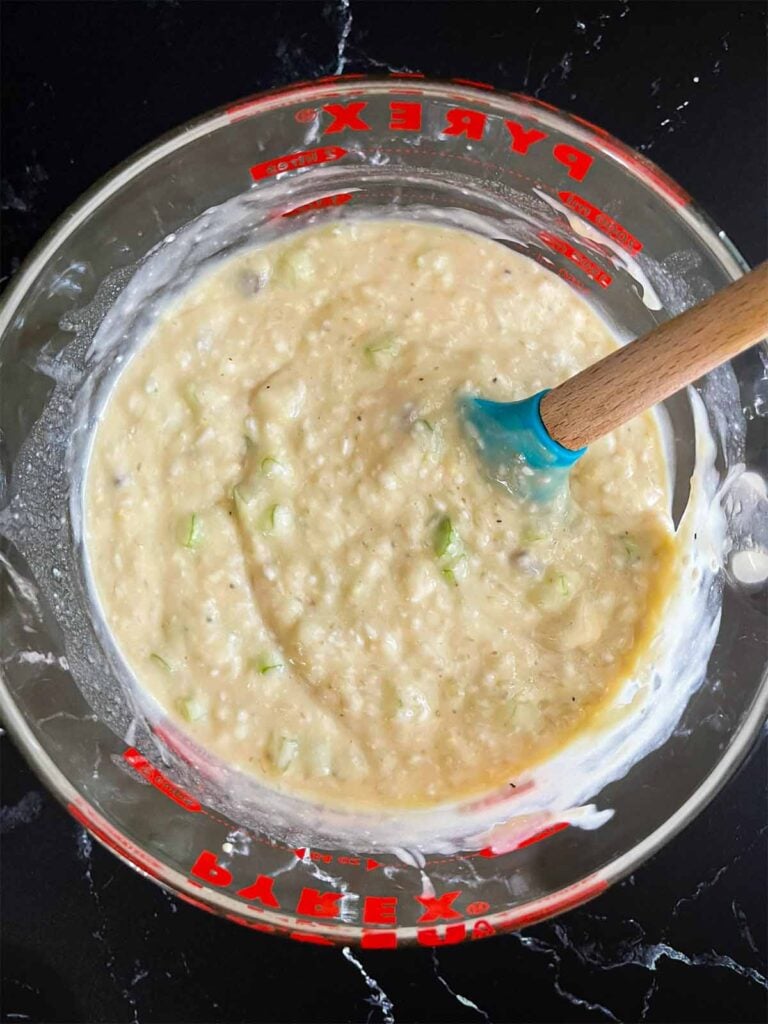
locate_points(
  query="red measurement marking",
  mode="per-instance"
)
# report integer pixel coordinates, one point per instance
(318, 940)
(249, 105)
(566, 900)
(477, 85)
(257, 926)
(536, 102)
(571, 279)
(576, 256)
(339, 78)
(305, 116)
(479, 907)
(544, 834)
(328, 858)
(431, 936)
(138, 762)
(195, 903)
(320, 204)
(644, 167)
(293, 161)
(379, 940)
(602, 221)
(113, 840)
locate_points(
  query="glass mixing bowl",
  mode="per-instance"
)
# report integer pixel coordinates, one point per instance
(548, 184)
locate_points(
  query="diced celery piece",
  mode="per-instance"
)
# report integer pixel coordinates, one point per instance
(243, 507)
(380, 351)
(268, 662)
(193, 532)
(444, 536)
(553, 592)
(294, 267)
(251, 430)
(531, 534)
(272, 467)
(282, 751)
(193, 399)
(445, 540)
(159, 660)
(275, 519)
(631, 549)
(192, 708)
(455, 570)
(427, 436)
(447, 545)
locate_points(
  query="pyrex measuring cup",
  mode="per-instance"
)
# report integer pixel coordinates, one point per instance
(555, 188)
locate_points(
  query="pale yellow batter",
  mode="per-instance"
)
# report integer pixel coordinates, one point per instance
(299, 554)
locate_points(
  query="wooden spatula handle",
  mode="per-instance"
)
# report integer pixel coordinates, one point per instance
(648, 370)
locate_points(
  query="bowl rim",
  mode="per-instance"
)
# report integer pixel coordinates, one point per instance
(712, 237)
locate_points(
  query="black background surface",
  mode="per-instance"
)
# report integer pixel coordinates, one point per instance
(84, 938)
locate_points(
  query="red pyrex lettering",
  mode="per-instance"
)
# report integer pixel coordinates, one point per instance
(376, 910)
(292, 161)
(160, 781)
(602, 221)
(438, 908)
(459, 121)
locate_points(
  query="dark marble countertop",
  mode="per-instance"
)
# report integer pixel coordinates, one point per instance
(86, 939)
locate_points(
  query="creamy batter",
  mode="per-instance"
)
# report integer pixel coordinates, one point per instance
(300, 556)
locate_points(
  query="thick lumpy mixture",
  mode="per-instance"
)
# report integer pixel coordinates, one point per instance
(300, 556)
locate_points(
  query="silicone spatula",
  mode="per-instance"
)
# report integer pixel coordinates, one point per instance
(530, 445)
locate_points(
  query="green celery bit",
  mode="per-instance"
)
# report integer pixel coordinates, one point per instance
(194, 532)
(631, 548)
(267, 663)
(268, 519)
(270, 466)
(192, 398)
(242, 507)
(444, 536)
(283, 752)
(382, 351)
(275, 516)
(530, 535)
(159, 660)
(192, 708)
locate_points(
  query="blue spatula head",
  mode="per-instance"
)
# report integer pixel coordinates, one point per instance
(516, 448)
